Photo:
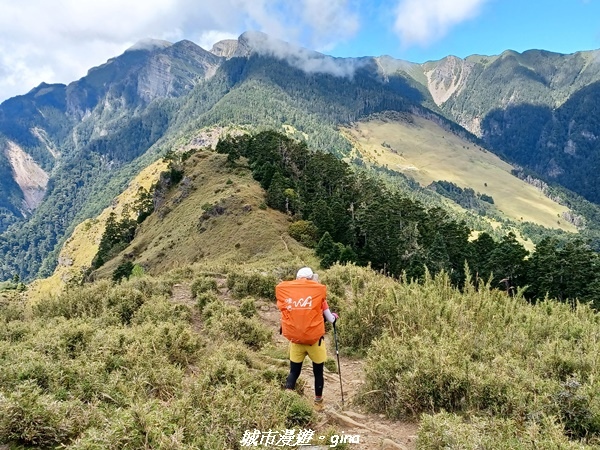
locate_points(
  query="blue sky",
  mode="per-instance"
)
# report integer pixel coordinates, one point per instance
(58, 41)
(563, 26)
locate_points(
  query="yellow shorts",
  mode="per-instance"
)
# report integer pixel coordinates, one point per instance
(317, 353)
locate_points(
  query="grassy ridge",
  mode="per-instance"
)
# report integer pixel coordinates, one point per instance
(122, 366)
(215, 214)
(79, 250)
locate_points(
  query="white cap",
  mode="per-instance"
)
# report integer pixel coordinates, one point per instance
(305, 272)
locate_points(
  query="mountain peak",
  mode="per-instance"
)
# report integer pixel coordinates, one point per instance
(256, 41)
(149, 45)
(226, 48)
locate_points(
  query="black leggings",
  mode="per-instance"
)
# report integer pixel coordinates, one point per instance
(296, 368)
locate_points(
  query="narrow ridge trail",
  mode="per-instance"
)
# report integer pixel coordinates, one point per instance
(373, 431)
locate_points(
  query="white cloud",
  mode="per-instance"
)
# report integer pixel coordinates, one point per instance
(424, 21)
(332, 21)
(58, 41)
(307, 60)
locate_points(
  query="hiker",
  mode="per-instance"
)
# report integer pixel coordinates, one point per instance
(303, 307)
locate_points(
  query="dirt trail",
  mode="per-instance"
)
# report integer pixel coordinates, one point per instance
(182, 295)
(374, 431)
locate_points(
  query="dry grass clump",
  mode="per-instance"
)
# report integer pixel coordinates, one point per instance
(113, 367)
(431, 348)
(451, 431)
(228, 322)
(242, 284)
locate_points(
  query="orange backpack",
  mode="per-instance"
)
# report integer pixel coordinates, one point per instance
(300, 302)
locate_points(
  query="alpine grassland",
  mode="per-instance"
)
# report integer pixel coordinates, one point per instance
(168, 339)
(136, 365)
(421, 149)
(122, 366)
(476, 367)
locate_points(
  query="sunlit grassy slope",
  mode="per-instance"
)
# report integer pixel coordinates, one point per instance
(421, 149)
(214, 214)
(183, 230)
(79, 250)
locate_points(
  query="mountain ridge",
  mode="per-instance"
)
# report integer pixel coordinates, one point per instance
(91, 133)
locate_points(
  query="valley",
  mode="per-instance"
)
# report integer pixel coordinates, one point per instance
(422, 150)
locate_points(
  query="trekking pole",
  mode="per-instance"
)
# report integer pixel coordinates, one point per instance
(337, 353)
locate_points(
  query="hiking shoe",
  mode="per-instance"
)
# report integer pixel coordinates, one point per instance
(318, 405)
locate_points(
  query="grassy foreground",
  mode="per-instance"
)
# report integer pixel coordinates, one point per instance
(121, 367)
(480, 369)
(124, 367)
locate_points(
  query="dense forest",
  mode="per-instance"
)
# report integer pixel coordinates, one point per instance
(348, 216)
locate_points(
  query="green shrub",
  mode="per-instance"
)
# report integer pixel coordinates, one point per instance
(149, 286)
(205, 298)
(248, 307)
(203, 284)
(432, 348)
(105, 366)
(451, 431)
(137, 271)
(11, 309)
(305, 232)
(75, 375)
(331, 365)
(368, 316)
(250, 331)
(31, 418)
(228, 322)
(254, 285)
(87, 301)
(277, 376)
(298, 412)
(125, 301)
(575, 411)
(421, 375)
(123, 270)
(158, 310)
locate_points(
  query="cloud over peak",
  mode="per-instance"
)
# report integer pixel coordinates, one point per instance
(301, 58)
(60, 41)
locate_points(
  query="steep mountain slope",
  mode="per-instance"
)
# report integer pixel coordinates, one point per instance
(141, 341)
(77, 253)
(422, 150)
(535, 108)
(113, 122)
(84, 137)
(88, 139)
(561, 144)
(55, 122)
(214, 214)
(468, 90)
